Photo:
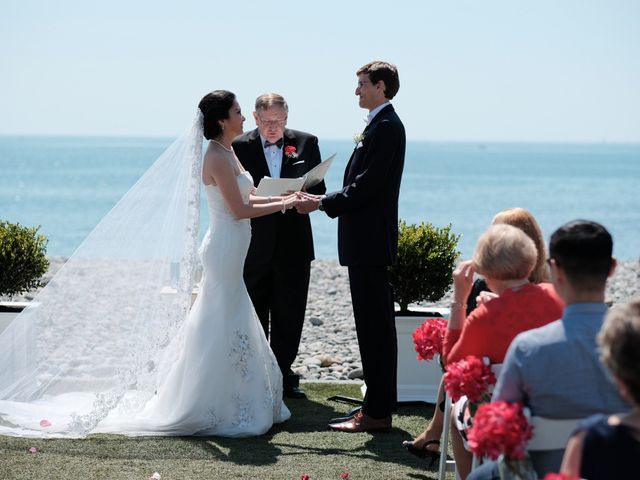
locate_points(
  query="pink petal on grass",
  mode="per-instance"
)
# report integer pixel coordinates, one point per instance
(155, 476)
(33, 450)
(45, 423)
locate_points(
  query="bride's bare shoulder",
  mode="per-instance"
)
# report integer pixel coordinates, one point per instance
(217, 166)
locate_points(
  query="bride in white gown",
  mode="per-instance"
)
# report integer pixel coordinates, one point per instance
(209, 373)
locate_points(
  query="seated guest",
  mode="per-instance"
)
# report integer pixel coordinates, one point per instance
(609, 447)
(505, 256)
(426, 445)
(555, 370)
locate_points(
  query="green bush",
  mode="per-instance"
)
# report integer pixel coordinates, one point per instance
(23, 258)
(426, 258)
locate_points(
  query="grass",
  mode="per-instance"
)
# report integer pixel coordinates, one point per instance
(301, 445)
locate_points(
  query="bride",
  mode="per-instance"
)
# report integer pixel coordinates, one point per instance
(113, 345)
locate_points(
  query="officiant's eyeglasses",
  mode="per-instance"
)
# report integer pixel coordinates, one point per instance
(273, 123)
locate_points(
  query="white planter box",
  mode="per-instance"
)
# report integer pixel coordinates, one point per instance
(417, 380)
(6, 317)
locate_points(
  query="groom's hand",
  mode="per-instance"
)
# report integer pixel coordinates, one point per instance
(307, 202)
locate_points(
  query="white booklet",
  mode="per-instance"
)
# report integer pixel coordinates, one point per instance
(279, 186)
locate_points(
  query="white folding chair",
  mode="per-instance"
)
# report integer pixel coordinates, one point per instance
(445, 465)
(450, 465)
(551, 433)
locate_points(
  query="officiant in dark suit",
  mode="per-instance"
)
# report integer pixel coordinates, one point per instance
(278, 262)
(367, 211)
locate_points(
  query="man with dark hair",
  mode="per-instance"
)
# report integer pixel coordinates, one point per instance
(555, 370)
(367, 211)
(278, 264)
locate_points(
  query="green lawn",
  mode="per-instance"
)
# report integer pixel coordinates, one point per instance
(301, 445)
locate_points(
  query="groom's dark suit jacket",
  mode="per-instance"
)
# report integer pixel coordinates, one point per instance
(367, 205)
(280, 236)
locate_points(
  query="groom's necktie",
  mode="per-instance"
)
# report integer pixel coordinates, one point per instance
(277, 143)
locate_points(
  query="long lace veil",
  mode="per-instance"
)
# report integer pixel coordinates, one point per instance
(101, 325)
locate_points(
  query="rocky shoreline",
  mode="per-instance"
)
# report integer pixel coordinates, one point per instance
(329, 348)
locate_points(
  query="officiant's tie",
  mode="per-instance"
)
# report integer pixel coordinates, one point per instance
(277, 143)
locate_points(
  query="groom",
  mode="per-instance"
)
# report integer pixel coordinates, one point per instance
(278, 262)
(367, 211)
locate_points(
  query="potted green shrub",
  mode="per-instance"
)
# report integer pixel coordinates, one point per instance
(23, 262)
(427, 256)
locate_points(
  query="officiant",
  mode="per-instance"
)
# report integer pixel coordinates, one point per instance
(278, 263)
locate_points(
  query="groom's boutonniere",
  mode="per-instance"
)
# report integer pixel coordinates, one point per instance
(290, 152)
(358, 138)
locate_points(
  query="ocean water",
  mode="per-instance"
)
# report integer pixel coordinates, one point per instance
(67, 184)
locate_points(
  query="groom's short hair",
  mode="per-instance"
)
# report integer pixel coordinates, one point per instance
(384, 71)
(268, 100)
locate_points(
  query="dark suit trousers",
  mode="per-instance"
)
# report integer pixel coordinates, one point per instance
(372, 298)
(279, 291)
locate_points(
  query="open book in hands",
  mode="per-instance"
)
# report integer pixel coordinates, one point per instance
(279, 186)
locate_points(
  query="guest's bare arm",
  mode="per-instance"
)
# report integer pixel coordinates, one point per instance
(573, 455)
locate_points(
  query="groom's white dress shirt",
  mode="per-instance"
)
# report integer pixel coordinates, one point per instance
(375, 111)
(273, 154)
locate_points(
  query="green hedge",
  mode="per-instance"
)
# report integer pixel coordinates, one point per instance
(23, 259)
(426, 259)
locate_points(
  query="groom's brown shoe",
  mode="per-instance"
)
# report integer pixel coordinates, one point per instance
(361, 422)
(346, 417)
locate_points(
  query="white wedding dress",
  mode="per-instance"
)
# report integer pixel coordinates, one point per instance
(225, 380)
(129, 356)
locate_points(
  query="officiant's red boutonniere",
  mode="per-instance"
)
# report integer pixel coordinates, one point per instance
(290, 152)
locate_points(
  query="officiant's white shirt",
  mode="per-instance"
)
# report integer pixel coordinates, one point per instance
(273, 154)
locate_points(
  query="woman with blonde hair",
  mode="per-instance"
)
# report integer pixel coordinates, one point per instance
(525, 221)
(426, 445)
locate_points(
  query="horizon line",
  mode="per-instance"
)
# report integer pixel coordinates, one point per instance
(347, 139)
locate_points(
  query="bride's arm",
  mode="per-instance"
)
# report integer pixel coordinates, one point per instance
(219, 170)
(257, 200)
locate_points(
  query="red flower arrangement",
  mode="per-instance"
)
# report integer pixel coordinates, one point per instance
(500, 428)
(469, 376)
(429, 337)
(290, 151)
(559, 476)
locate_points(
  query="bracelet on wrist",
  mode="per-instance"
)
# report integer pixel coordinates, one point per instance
(458, 305)
(284, 209)
(269, 199)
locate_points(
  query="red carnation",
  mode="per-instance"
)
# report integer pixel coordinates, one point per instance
(500, 428)
(304, 476)
(344, 475)
(290, 151)
(470, 377)
(428, 338)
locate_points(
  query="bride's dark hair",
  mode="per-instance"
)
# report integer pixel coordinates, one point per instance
(215, 106)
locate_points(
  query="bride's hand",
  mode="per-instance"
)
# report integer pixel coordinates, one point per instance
(308, 196)
(290, 201)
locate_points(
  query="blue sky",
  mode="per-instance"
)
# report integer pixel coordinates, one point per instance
(506, 70)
